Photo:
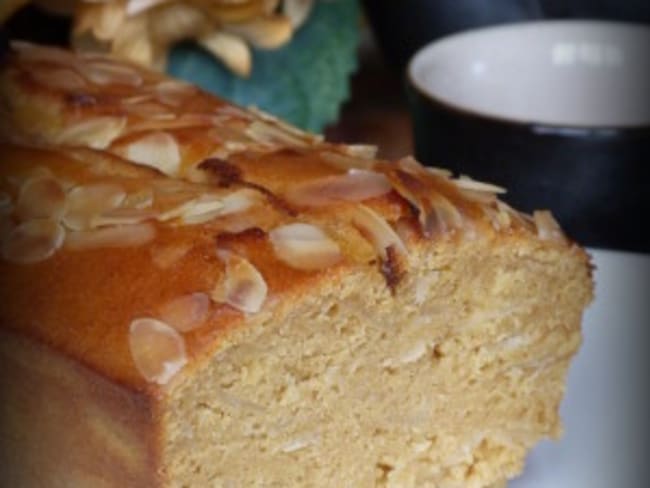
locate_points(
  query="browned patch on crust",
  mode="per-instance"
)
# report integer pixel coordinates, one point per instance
(390, 268)
(248, 236)
(226, 173)
(276, 201)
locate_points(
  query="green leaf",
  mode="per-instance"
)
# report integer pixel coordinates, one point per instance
(304, 82)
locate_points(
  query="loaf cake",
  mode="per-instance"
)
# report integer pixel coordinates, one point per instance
(195, 294)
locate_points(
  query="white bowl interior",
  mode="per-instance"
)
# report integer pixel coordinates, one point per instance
(568, 73)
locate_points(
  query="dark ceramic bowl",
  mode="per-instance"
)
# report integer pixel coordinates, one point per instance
(558, 112)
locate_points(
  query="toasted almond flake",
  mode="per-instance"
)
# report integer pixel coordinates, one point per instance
(187, 312)
(158, 150)
(139, 199)
(377, 231)
(243, 287)
(59, 79)
(445, 216)
(123, 216)
(202, 209)
(354, 186)
(33, 241)
(279, 124)
(272, 135)
(466, 183)
(345, 161)
(111, 237)
(526, 221)
(41, 198)
(182, 121)
(109, 73)
(361, 151)
(434, 170)
(96, 132)
(150, 109)
(36, 53)
(547, 227)
(86, 202)
(157, 350)
(174, 93)
(304, 246)
(436, 214)
(481, 197)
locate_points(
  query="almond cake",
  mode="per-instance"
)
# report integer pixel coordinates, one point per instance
(199, 295)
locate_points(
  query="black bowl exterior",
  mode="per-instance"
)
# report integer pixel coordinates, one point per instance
(402, 27)
(595, 181)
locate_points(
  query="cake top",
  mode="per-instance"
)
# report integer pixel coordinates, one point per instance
(141, 219)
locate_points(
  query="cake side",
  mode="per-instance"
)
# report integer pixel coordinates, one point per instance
(447, 383)
(62, 424)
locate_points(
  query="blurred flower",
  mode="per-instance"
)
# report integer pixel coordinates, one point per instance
(143, 31)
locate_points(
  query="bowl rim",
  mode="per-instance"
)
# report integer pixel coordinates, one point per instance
(560, 129)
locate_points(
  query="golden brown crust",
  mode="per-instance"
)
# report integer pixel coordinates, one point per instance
(82, 302)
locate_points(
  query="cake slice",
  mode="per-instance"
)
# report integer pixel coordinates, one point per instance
(198, 295)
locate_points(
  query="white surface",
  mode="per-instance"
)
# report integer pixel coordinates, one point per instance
(606, 407)
(575, 73)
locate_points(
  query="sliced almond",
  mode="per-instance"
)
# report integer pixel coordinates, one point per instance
(243, 287)
(158, 351)
(346, 161)
(377, 231)
(202, 209)
(240, 201)
(139, 199)
(123, 216)
(354, 186)
(174, 93)
(445, 215)
(548, 228)
(272, 135)
(37, 53)
(187, 312)
(33, 241)
(306, 137)
(419, 187)
(360, 151)
(109, 73)
(158, 150)
(119, 236)
(466, 183)
(59, 79)
(304, 246)
(183, 121)
(41, 198)
(96, 132)
(87, 202)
